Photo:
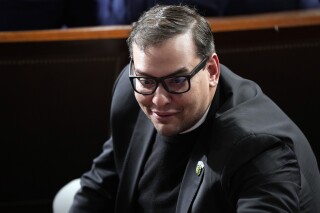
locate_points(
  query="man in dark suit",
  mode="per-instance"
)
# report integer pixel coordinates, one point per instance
(50, 14)
(189, 135)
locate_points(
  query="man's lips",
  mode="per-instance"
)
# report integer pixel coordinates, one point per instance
(163, 114)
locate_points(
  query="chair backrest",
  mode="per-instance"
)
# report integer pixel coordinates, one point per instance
(55, 89)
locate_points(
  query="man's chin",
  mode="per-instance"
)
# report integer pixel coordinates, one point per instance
(167, 130)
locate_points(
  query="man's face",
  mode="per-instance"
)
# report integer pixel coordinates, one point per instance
(175, 113)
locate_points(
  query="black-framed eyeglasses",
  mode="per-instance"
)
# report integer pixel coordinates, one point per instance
(173, 84)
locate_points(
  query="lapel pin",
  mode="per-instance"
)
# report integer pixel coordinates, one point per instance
(199, 167)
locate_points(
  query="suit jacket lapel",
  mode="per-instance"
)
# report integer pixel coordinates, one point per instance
(192, 181)
(190, 184)
(139, 144)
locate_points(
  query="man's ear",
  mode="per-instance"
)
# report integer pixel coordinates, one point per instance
(214, 70)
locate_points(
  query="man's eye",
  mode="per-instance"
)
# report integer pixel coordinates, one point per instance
(146, 81)
(177, 80)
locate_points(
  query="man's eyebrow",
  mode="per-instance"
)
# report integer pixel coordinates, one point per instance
(181, 71)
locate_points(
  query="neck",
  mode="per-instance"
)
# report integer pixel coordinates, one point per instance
(202, 119)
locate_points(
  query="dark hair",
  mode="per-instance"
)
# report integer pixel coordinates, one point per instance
(162, 22)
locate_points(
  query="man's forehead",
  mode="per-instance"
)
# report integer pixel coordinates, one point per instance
(184, 39)
(159, 74)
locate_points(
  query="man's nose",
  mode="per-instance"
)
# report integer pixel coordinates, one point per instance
(161, 96)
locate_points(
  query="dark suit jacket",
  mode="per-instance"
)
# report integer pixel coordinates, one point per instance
(255, 158)
(48, 14)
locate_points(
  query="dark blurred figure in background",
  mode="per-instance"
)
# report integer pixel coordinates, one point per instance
(127, 11)
(50, 14)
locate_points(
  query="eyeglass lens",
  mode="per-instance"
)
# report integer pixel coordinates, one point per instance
(176, 84)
